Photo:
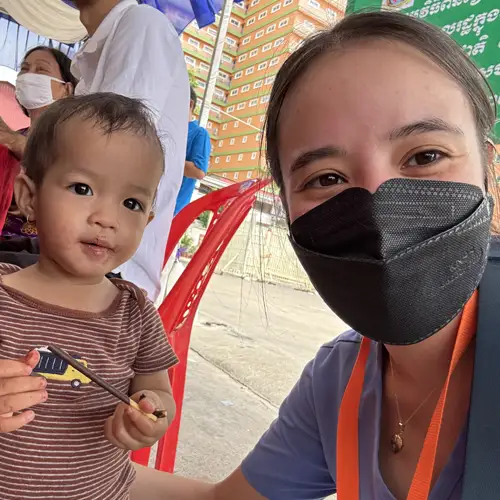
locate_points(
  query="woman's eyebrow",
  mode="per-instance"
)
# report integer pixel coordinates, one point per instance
(424, 126)
(43, 63)
(316, 154)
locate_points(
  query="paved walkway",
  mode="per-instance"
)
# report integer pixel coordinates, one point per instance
(248, 348)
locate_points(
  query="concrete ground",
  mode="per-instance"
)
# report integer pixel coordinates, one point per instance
(248, 347)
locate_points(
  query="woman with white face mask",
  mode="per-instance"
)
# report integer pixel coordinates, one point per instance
(44, 77)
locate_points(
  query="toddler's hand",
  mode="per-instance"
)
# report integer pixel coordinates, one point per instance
(129, 429)
(19, 391)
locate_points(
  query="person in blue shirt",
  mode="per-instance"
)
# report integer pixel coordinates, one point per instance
(197, 155)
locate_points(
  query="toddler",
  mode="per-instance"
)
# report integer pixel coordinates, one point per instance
(91, 170)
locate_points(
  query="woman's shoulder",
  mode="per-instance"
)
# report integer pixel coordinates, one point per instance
(331, 369)
(301, 442)
(339, 351)
(347, 340)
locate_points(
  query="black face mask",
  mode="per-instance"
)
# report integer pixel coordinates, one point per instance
(400, 264)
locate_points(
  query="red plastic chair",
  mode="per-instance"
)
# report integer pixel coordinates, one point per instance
(230, 206)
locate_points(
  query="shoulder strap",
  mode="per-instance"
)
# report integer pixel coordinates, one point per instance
(482, 462)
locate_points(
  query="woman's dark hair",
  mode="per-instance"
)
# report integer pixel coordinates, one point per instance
(63, 61)
(428, 39)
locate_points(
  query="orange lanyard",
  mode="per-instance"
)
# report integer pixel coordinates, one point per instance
(347, 431)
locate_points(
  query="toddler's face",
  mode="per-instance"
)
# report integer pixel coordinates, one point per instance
(95, 202)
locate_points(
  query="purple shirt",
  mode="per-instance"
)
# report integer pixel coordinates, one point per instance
(296, 457)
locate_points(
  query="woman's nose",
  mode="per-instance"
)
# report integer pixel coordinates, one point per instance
(371, 175)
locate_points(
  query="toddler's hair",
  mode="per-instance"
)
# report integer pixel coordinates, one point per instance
(104, 110)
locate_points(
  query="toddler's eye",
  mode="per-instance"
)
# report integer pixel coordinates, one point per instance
(81, 189)
(133, 205)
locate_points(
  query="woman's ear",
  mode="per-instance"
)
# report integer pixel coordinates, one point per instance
(151, 216)
(492, 152)
(70, 89)
(25, 195)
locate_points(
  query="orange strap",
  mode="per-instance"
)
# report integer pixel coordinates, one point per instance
(347, 430)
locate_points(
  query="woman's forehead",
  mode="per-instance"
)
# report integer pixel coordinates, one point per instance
(42, 56)
(370, 89)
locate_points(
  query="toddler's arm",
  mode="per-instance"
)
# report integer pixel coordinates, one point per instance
(150, 387)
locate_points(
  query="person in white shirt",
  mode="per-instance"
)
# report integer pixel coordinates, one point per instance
(135, 51)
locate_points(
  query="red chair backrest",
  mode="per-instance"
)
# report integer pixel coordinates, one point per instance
(230, 206)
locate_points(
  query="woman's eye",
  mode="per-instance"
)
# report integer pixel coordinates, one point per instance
(81, 189)
(325, 180)
(424, 158)
(132, 204)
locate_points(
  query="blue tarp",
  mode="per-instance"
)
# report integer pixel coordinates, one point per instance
(16, 40)
(182, 12)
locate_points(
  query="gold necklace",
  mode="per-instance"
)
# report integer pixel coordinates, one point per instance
(397, 439)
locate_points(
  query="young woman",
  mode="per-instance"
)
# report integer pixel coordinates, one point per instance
(378, 136)
(44, 77)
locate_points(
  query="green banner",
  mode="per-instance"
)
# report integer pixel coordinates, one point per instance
(474, 24)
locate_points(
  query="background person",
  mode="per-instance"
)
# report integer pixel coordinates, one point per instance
(134, 50)
(381, 111)
(195, 168)
(44, 77)
(197, 157)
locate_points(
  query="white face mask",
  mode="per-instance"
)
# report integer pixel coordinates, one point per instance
(34, 91)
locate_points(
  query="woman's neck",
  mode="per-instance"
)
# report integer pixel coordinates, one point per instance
(426, 363)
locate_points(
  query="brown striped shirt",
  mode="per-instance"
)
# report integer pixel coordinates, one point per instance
(63, 453)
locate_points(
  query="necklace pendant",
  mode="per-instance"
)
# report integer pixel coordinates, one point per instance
(397, 443)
